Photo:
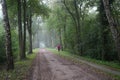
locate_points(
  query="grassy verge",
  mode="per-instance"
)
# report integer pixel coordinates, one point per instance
(21, 69)
(111, 65)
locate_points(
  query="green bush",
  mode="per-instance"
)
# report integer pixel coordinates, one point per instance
(14, 46)
(2, 48)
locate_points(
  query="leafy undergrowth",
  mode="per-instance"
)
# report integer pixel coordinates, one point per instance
(21, 68)
(74, 58)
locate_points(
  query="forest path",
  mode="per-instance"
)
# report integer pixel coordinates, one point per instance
(48, 66)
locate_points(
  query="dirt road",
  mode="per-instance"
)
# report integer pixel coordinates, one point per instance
(48, 66)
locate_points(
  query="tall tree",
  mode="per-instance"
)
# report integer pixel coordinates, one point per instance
(113, 25)
(24, 38)
(104, 31)
(65, 36)
(22, 55)
(10, 63)
(76, 18)
(30, 29)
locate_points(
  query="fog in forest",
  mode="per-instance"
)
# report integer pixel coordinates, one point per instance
(42, 36)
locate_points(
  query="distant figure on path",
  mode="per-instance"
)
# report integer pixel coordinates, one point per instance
(59, 47)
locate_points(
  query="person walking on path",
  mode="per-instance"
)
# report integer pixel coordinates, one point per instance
(59, 47)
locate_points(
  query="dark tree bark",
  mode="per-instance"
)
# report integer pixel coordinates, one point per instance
(65, 36)
(113, 26)
(10, 63)
(24, 39)
(22, 56)
(60, 38)
(30, 30)
(78, 26)
(104, 31)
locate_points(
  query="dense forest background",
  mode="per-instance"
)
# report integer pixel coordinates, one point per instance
(84, 27)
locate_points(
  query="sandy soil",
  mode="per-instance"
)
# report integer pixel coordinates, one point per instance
(48, 66)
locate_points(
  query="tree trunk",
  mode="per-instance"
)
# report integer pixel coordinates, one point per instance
(65, 43)
(76, 19)
(38, 40)
(24, 39)
(113, 26)
(60, 37)
(78, 28)
(20, 31)
(30, 32)
(10, 63)
(104, 32)
(30, 38)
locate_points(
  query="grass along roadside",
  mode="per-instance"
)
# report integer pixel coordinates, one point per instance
(21, 69)
(75, 58)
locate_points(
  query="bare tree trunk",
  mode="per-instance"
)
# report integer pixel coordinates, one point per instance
(64, 29)
(60, 37)
(113, 26)
(10, 63)
(20, 31)
(24, 39)
(78, 26)
(104, 34)
(30, 31)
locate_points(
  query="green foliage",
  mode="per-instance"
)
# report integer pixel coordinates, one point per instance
(2, 48)
(15, 43)
(2, 44)
(38, 8)
(21, 68)
(12, 13)
(14, 46)
(95, 36)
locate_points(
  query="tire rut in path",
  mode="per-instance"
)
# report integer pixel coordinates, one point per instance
(48, 66)
(40, 69)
